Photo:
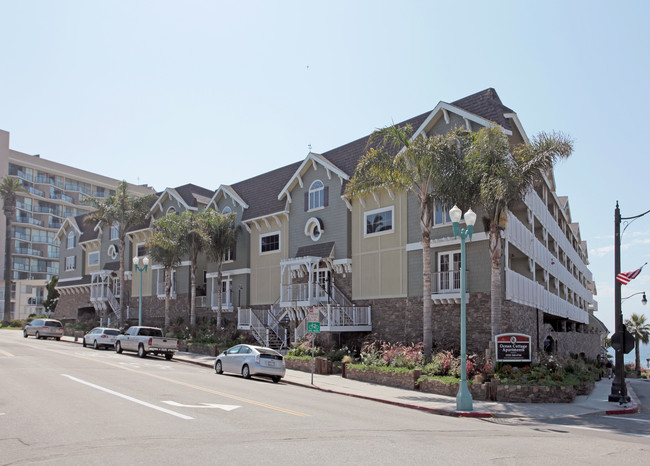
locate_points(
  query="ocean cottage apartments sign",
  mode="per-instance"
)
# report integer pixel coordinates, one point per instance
(513, 347)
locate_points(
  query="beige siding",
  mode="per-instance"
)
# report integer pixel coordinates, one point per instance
(379, 261)
(265, 268)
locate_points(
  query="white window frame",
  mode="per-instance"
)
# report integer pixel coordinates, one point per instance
(93, 254)
(316, 194)
(376, 211)
(115, 231)
(445, 214)
(266, 235)
(137, 246)
(113, 253)
(70, 263)
(70, 243)
(453, 274)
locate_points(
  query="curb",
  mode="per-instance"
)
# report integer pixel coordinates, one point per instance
(633, 409)
(439, 411)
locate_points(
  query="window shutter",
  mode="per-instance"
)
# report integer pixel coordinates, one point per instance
(326, 196)
(306, 201)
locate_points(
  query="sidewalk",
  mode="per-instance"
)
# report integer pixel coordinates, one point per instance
(592, 404)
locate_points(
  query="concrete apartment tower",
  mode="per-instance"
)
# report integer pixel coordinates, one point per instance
(53, 192)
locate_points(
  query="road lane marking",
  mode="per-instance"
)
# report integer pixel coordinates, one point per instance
(6, 354)
(129, 398)
(203, 405)
(629, 419)
(178, 382)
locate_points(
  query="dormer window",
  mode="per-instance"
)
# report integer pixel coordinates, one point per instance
(316, 195)
(115, 231)
(70, 243)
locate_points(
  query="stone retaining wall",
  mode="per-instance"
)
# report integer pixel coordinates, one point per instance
(391, 379)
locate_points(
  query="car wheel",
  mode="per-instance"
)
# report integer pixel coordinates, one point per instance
(217, 367)
(95, 346)
(83, 342)
(118, 347)
(38, 336)
(141, 352)
(24, 334)
(169, 356)
(276, 378)
(58, 338)
(245, 372)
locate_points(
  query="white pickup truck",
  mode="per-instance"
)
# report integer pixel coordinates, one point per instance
(146, 340)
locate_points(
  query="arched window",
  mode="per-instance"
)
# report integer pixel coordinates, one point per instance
(226, 210)
(171, 211)
(316, 195)
(70, 240)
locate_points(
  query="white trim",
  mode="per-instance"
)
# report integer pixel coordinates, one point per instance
(265, 235)
(311, 157)
(448, 241)
(91, 254)
(171, 192)
(390, 208)
(71, 279)
(513, 116)
(117, 253)
(228, 272)
(460, 112)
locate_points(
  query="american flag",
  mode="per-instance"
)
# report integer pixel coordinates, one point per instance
(627, 277)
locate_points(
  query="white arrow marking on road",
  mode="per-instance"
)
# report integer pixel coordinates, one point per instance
(126, 397)
(203, 405)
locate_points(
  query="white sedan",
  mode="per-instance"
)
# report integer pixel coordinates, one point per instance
(101, 337)
(250, 360)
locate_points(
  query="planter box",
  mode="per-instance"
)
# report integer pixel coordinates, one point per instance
(321, 365)
(479, 391)
(391, 379)
(535, 394)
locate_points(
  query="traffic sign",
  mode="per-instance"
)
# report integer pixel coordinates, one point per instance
(623, 340)
(313, 327)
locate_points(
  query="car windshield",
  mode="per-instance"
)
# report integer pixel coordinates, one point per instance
(111, 332)
(53, 324)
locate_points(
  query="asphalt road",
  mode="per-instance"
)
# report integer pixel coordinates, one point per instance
(64, 404)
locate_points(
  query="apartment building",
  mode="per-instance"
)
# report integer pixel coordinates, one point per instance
(355, 264)
(53, 192)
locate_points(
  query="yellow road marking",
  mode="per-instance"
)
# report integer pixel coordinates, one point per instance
(189, 385)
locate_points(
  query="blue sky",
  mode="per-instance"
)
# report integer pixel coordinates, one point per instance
(213, 92)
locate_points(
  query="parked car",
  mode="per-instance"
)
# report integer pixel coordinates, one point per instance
(146, 340)
(249, 360)
(44, 328)
(101, 337)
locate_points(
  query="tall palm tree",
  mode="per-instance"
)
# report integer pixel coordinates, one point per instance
(222, 235)
(196, 240)
(640, 329)
(503, 175)
(123, 211)
(166, 247)
(430, 168)
(9, 188)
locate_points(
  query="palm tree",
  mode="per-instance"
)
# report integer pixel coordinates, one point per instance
(9, 188)
(430, 168)
(165, 247)
(123, 211)
(196, 240)
(222, 235)
(638, 327)
(504, 175)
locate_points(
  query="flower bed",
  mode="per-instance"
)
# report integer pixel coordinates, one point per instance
(400, 379)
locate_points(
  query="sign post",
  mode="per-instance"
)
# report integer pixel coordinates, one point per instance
(313, 327)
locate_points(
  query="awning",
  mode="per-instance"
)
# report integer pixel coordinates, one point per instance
(317, 250)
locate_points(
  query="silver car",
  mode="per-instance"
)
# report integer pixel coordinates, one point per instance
(44, 328)
(101, 337)
(249, 360)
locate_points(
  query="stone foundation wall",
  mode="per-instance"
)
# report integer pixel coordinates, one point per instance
(400, 380)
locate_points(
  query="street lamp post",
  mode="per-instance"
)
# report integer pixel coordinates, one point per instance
(136, 264)
(464, 397)
(619, 389)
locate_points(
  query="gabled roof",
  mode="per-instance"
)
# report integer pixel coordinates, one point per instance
(188, 195)
(486, 104)
(227, 191)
